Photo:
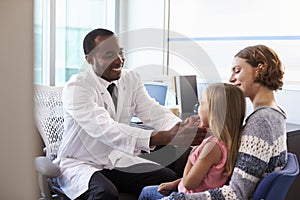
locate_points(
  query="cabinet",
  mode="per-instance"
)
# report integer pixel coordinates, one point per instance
(293, 142)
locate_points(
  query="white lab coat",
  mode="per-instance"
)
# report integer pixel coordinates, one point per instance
(96, 136)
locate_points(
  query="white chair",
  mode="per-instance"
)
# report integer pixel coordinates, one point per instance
(49, 122)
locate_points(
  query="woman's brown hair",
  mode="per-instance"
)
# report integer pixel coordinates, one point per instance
(270, 71)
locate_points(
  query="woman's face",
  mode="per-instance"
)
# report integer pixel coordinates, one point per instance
(203, 110)
(243, 75)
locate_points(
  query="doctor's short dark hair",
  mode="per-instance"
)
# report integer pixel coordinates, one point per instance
(89, 40)
(269, 67)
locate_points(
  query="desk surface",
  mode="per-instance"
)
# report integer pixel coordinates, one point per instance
(292, 127)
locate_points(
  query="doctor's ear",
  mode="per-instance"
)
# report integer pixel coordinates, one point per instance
(89, 59)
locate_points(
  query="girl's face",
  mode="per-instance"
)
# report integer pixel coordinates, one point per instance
(203, 110)
(243, 75)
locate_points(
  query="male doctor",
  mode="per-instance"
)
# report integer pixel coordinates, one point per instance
(98, 155)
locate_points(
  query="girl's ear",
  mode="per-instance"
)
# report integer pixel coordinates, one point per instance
(89, 59)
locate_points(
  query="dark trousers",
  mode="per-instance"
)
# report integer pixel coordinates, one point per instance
(106, 184)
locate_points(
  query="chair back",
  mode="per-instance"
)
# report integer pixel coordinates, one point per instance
(49, 117)
(157, 91)
(276, 184)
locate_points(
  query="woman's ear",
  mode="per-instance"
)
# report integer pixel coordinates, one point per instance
(260, 66)
(89, 59)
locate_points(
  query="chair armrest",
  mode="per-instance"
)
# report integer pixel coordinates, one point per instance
(44, 166)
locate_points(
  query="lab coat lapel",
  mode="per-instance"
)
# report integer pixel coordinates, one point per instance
(107, 100)
(121, 95)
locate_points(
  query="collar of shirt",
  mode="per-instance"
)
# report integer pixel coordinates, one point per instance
(107, 83)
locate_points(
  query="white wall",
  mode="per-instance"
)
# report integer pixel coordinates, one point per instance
(141, 33)
(289, 101)
(18, 143)
(200, 21)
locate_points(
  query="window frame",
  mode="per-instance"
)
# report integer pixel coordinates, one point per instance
(46, 74)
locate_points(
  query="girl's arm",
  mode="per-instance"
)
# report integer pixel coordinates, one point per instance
(194, 174)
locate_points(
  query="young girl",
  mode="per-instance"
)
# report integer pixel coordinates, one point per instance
(210, 165)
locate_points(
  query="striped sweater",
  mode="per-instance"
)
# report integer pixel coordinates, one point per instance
(263, 149)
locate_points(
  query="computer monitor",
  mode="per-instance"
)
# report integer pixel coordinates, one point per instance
(157, 91)
(186, 93)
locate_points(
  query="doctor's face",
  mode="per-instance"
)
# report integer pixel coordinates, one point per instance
(107, 58)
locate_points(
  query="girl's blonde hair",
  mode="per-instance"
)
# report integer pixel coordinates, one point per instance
(227, 106)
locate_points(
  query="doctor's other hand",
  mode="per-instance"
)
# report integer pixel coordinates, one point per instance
(191, 121)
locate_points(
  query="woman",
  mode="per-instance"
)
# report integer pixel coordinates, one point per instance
(258, 72)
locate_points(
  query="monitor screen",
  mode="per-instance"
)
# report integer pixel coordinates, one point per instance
(186, 93)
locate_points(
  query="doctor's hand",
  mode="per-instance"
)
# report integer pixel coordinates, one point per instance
(179, 135)
(189, 136)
